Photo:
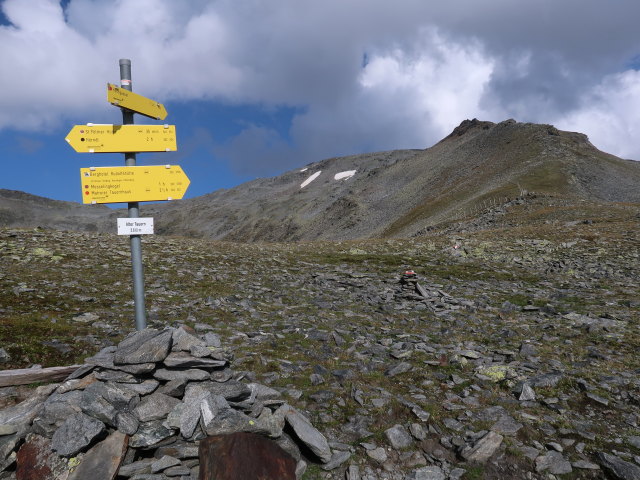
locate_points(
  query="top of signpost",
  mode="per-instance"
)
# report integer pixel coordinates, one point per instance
(121, 97)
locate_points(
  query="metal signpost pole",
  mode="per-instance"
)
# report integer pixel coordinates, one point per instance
(134, 211)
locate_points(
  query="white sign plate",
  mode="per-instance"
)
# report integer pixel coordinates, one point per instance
(135, 226)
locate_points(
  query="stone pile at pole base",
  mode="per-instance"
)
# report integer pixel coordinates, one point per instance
(140, 410)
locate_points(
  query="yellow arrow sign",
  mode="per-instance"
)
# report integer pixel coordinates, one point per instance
(95, 138)
(137, 103)
(133, 184)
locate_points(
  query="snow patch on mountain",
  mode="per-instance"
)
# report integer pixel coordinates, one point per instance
(310, 179)
(344, 175)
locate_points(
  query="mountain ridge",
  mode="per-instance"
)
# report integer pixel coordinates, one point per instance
(397, 193)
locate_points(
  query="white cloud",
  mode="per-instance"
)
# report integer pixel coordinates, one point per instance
(428, 66)
(437, 88)
(610, 114)
(55, 66)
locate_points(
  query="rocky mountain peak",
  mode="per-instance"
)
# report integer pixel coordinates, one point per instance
(471, 125)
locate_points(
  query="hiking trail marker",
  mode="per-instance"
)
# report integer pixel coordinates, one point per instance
(135, 226)
(121, 97)
(131, 183)
(95, 138)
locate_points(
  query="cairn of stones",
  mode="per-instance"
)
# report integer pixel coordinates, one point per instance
(139, 410)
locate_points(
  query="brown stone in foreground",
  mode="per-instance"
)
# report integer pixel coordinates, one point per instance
(244, 455)
(36, 461)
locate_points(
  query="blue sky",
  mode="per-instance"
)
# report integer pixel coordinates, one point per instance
(257, 87)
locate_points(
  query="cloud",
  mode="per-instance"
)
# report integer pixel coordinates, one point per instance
(399, 98)
(257, 150)
(363, 74)
(437, 86)
(610, 113)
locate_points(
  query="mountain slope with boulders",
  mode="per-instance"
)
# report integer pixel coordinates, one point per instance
(400, 193)
(479, 168)
(503, 353)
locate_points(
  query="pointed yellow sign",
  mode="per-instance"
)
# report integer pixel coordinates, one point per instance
(121, 97)
(133, 184)
(95, 138)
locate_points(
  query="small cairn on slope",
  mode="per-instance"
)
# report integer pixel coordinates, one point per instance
(431, 297)
(141, 410)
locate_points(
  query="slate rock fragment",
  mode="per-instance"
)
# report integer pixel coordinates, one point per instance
(36, 461)
(232, 390)
(432, 472)
(483, 448)
(307, 433)
(164, 462)
(138, 467)
(398, 369)
(127, 423)
(554, 463)
(618, 468)
(103, 459)
(244, 455)
(193, 374)
(145, 346)
(183, 339)
(76, 433)
(155, 406)
(185, 360)
(150, 433)
(398, 437)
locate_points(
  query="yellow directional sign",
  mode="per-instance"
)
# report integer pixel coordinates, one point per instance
(133, 184)
(96, 138)
(137, 103)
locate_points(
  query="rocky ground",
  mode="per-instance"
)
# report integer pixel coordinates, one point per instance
(511, 353)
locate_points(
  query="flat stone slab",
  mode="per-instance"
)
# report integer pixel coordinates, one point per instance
(103, 460)
(150, 433)
(484, 448)
(244, 455)
(185, 360)
(307, 433)
(75, 434)
(427, 473)
(24, 412)
(184, 339)
(398, 437)
(36, 461)
(554, 463)
(618, 468)
(193, 374)
(155, 406)
(145, 346)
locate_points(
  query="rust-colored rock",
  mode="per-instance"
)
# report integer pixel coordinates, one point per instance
(36, 461)
(244, 455)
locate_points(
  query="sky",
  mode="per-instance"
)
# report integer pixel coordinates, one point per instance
(259, 87)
